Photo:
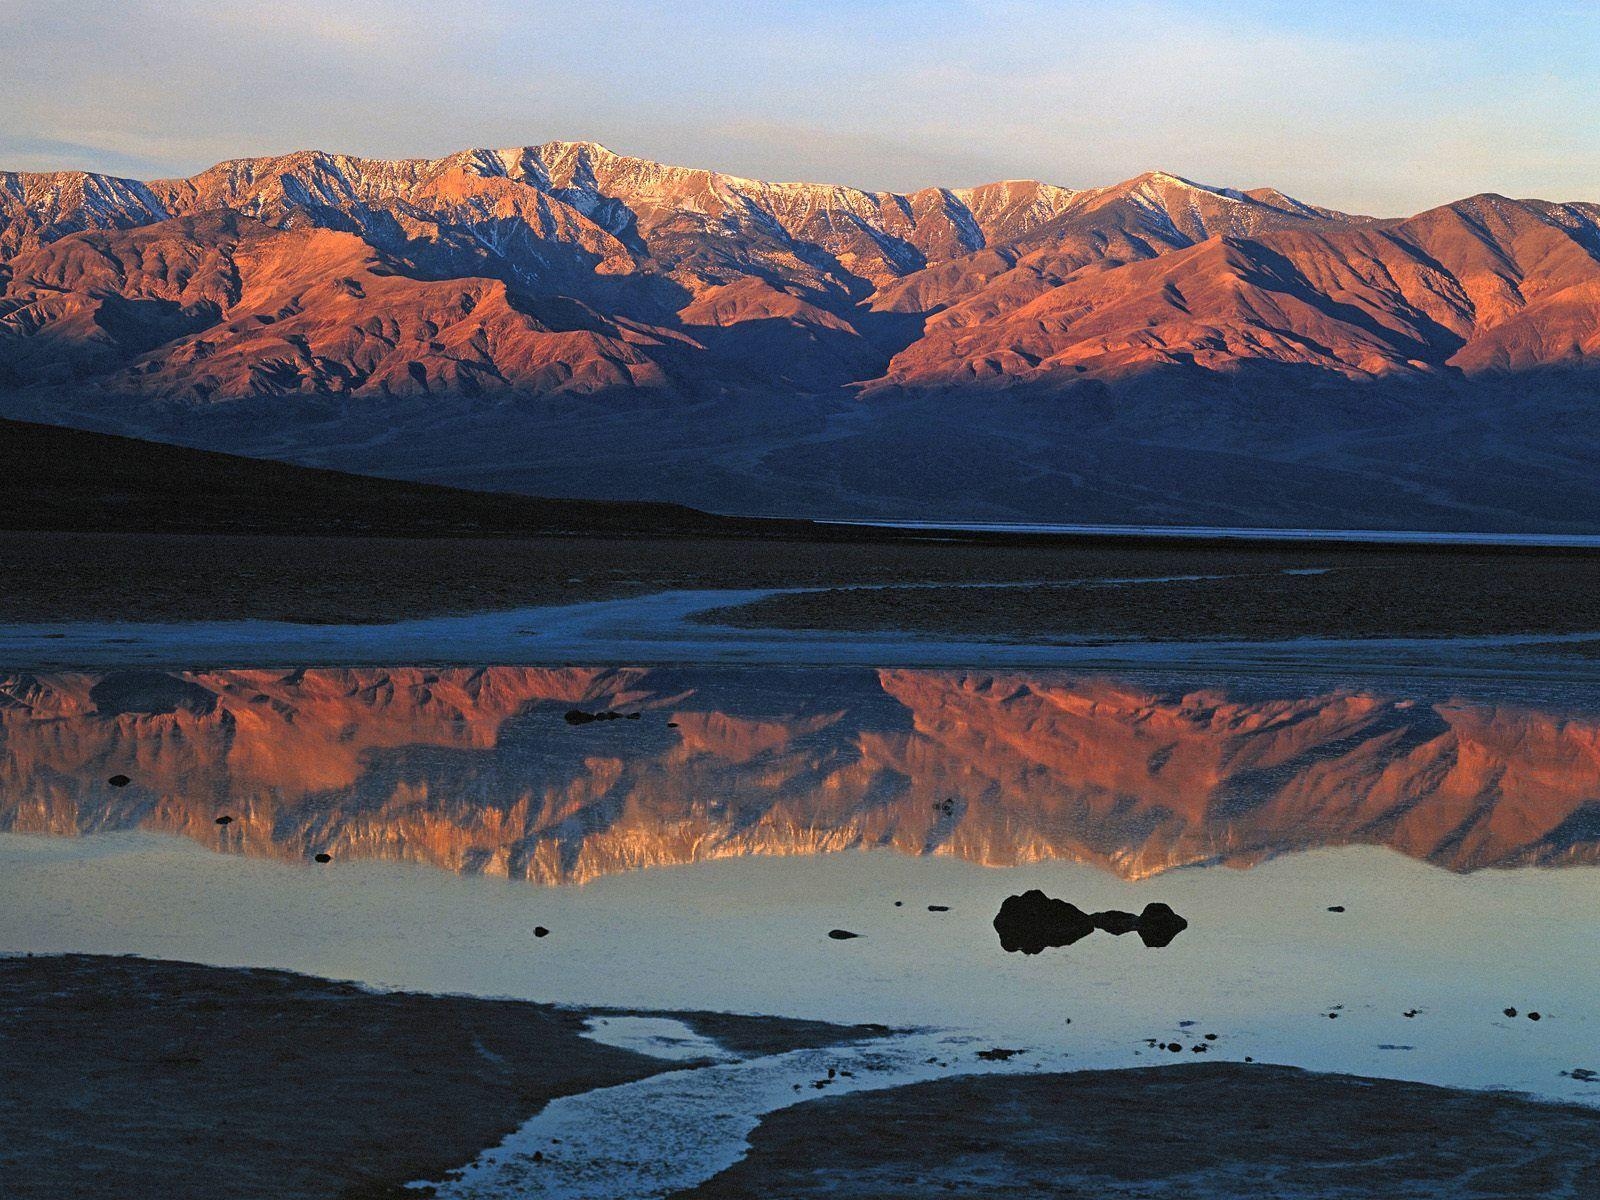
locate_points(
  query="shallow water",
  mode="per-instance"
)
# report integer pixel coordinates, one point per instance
(697, 856)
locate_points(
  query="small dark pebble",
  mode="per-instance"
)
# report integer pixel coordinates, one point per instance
(324, 858)
(1247, 1058)
(842, 935)
(1511, 1012)
(1174, 1047)
(1211, 1037)
(224, 820)
(540, 931)
(1201, 1048)
(899, 903)
(1533, 1016)
(119, 781)
(672, 724)
(1410, 1012)
(1335, 908)
(1333, 1016)
(938, 908)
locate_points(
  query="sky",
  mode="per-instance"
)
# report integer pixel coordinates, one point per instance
(1385, 108)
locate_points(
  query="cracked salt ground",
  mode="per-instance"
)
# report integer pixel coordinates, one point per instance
(672, 1131)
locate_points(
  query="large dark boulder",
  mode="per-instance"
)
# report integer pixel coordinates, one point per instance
(1032, 922)
(1158, 925)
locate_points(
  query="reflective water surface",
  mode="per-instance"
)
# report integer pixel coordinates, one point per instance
(695, 851)
(479, 770)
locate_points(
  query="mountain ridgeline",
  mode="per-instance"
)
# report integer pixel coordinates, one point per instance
(563, 320)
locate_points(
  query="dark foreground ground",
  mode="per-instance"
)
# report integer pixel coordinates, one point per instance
(1056, 588)
(128, 1079)
(1206, 1131)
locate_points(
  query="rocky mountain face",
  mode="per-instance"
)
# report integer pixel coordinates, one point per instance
(479, 771)
(565, 320)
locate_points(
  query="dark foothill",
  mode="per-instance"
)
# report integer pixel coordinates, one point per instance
(224, 819)
(1511, 1012)
(1159, 925)
(1033, 921)
(938, 908)
(540, 931)
(324, 858)
(149, 693)
(119, 781)
(842, 935)
(1335, 908)
(1114, 921)
(998, 1054)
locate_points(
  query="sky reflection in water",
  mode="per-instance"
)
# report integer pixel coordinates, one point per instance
(1090, 788)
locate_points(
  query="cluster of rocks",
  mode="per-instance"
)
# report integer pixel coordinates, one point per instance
(1033, 922)
(577, 716)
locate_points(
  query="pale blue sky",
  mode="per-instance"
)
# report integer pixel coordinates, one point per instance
(1379, 107)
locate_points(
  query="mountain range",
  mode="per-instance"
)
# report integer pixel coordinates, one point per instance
(562, 320)
(476, 770)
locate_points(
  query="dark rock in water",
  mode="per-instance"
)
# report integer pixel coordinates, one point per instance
(998, 1054)
(324, 858)
(224, 819)
(672, 724)
(1033, 921)
(1335, 908)
(1159, 925)
(1511, 1012)
(1115, 921)
(149, 693)
(1582, 1075)
(842, 935)
(938, 908)
(1211, 1037)
(540, 931)
(1410, 1012)
(577, 716)
(1175, 1047)
(119, 781)
(1533, 1016)
(899, 903)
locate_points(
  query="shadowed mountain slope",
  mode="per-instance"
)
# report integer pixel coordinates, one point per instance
(560, 319)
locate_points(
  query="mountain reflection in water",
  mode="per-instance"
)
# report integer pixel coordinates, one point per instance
(477, 770)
